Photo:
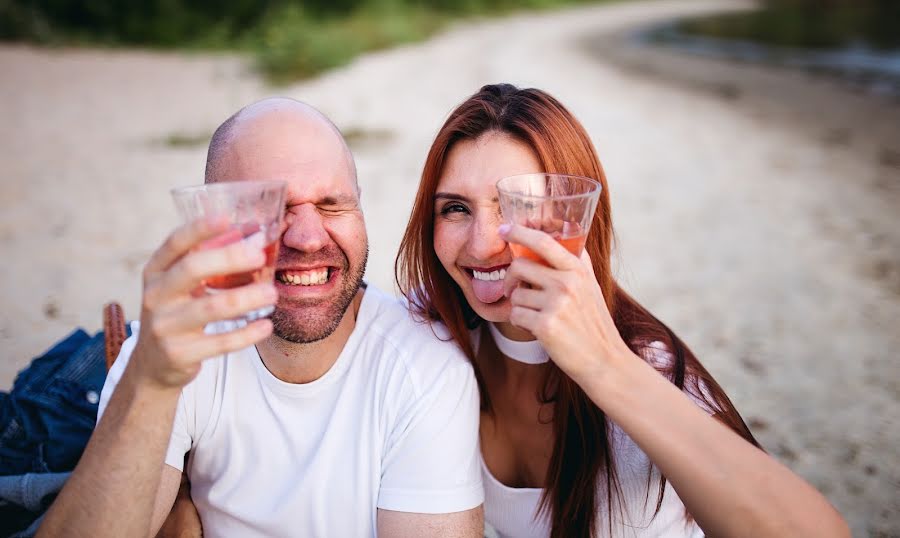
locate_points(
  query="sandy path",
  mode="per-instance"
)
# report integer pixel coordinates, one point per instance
(752, 240)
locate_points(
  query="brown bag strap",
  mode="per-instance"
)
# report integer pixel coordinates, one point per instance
(113, 331)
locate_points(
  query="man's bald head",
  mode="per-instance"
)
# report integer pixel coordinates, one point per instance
(281, 117)
(325, 232)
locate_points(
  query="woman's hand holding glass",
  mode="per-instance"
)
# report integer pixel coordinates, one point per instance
(561, 304)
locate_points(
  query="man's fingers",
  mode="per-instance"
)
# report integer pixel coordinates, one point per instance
(195, 267)
(226, 304)
(182, 240)
(213, 345)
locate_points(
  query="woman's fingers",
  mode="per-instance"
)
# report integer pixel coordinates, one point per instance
(540, 243)
(525, 318)
(528, 298)
(225, 304)
(586, 261)
(181, 241)
(530, 272)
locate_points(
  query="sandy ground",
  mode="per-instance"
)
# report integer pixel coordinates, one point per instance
(767, 235)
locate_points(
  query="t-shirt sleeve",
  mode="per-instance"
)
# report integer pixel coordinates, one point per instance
(431, 461)
(180, 441)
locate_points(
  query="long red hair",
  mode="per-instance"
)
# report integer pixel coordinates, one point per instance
(582, 455)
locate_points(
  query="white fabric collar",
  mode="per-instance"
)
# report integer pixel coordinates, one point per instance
(530, 352)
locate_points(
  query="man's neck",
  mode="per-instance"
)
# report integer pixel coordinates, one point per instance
(304, 363)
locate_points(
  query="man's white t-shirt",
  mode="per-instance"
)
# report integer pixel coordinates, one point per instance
(392, 425)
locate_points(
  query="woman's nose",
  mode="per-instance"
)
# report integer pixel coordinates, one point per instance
(484, 239)
(305, 229)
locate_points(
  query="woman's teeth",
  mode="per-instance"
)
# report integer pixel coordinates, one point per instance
(500, 274)
(315, 277)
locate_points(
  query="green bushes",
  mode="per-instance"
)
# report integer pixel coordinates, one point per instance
(289, 38)
(293, 43)
(150, 22)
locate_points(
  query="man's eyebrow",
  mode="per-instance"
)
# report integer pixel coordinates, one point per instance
(338, 199)
(450, 196)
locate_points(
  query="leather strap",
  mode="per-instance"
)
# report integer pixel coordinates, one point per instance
(113, 331)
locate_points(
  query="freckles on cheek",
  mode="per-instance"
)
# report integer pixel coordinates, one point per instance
(446, 247)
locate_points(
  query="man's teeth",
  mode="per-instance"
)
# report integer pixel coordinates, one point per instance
(304, 278)
(499, 274)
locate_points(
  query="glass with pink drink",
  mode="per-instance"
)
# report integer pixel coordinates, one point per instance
(561, 205)
(255, 210)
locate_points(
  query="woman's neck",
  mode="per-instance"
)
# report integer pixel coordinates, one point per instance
(510, 376)
(512, 332)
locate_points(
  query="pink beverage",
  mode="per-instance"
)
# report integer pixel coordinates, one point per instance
(253, 234)
(573, 244)
(255, 210)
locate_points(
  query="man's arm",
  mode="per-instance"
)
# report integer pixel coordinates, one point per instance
(467, 524)
(121, 486)
(169, 488)
(114, 488)
(182, 521)
(431, 476)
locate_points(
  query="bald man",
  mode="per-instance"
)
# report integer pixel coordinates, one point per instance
(340, 416)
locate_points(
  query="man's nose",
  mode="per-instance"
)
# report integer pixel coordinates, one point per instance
(305, 229)
(484, 239)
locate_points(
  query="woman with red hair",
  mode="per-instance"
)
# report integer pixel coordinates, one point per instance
(580, 434)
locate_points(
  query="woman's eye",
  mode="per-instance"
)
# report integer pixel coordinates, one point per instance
(454, 208)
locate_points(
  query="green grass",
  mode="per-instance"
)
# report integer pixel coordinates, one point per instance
(186, 140)
(357, 137)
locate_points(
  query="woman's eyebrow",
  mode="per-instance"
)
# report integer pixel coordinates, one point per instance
(459, 197)
(450, 196)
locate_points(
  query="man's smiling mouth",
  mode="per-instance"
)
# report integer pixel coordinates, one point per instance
(308, 277)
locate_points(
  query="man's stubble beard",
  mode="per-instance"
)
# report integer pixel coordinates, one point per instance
(302, 327)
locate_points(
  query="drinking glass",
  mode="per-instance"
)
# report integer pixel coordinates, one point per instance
(559, 204)
(255, 210)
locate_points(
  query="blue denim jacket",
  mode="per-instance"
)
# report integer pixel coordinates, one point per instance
(24, 499)
(46, 419)
(45, 422)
